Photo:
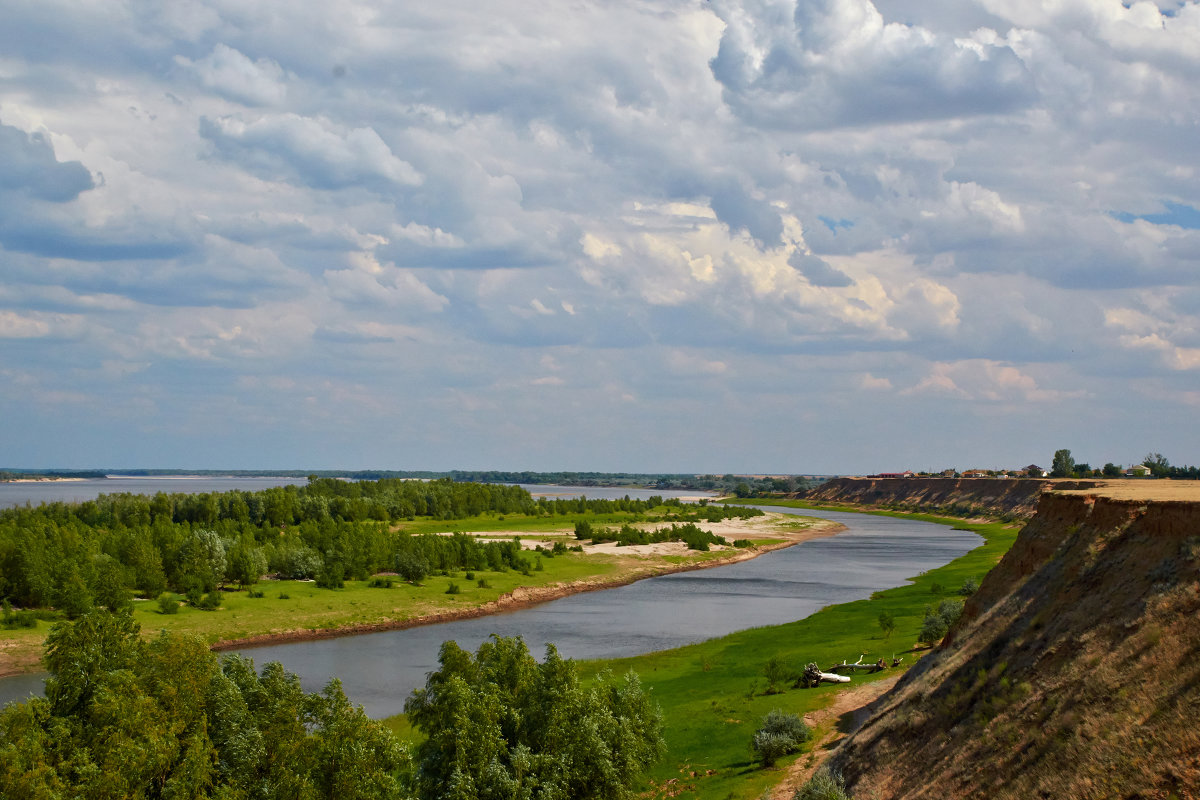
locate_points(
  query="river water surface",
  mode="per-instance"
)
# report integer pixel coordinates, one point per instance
(379, 670)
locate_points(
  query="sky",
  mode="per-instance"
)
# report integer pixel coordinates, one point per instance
(755, 236)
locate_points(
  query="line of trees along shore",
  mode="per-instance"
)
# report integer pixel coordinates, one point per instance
(73, 556)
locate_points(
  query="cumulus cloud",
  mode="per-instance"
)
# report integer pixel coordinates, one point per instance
(817, 64)
(312, 151)
(233, 75)
(767, 210)
(29, 168)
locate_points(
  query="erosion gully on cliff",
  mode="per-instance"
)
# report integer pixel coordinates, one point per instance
(1073, 672)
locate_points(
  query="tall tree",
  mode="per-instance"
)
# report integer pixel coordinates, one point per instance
(1063, 465)
(499, 725)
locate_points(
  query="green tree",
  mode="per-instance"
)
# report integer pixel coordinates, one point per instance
(1111, 470)
(202, 559)
(1063, 466)
(887, 623)
(500, 725)
(1158, 464)
(162, 718)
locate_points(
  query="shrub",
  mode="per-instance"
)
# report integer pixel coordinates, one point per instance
(413, 567)
(284, 596)
(969, 587)
(470, 576)
(255, 593)
(825, 784)
(887, 623)
(780, 734)
(937, 621)
(583, 529)
(210, 601)
(482, 583)
(167, 604)
(452, 588)
(18, 619)
(777, 671)
(332, 575)
(743, 543)
(381, 583)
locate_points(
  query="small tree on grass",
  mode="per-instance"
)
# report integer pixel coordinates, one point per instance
(887, 623)
(413, 567)
(776, 672)
(780, 734)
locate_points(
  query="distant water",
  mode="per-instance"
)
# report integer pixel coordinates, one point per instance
(36, 493)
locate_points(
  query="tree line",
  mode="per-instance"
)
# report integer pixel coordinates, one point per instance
(73, 556)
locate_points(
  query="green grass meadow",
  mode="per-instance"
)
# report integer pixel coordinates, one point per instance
(308, 607)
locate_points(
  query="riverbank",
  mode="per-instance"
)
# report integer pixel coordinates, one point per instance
(291, 611)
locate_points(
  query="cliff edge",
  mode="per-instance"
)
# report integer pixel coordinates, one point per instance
(1074, 671)
(1015, 498)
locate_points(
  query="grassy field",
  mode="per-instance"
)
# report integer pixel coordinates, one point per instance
(714, 694)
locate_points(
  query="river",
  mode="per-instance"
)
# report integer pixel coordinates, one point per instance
(18, 493)
(379, 670)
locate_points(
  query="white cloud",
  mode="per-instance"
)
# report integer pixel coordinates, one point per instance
(313, 150)
(763, 209)
(233, 75)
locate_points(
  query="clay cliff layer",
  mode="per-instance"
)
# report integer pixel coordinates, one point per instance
(995, 497)
(1073, 672)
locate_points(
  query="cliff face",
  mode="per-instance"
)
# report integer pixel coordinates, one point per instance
(960, 496)
(1073, 672)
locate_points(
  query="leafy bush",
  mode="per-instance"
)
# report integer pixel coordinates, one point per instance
(780, 734)
(17, 619)
(482, 583)
(167, 604)
(969, 587)
(937, 621)
(412, 566)
(825, 784)
(210, 601)
(777, 671)
(583, 529)
(452, 588)
(381, 583)
(332, 575)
